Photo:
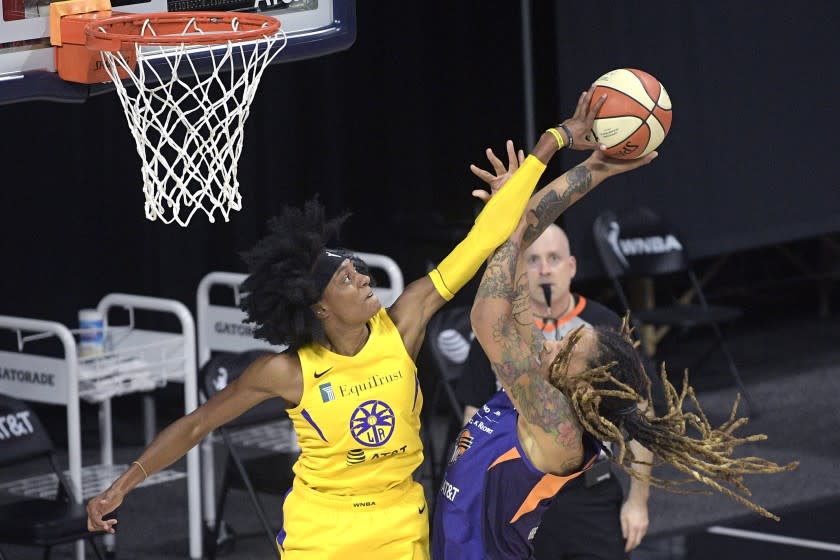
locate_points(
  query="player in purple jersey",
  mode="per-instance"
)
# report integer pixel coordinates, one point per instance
(503, 473)
(560, 399)
(497, 495)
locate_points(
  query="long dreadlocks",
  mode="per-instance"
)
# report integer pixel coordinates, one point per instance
(606, 399)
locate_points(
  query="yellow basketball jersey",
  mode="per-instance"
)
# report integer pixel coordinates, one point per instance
(358, 422)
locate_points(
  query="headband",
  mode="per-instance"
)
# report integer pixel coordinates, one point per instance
(326, 264)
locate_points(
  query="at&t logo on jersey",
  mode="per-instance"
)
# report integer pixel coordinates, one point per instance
(372, 423)
(449, 491)
(357, 456)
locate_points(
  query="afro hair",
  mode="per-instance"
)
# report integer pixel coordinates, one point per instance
(280, 286)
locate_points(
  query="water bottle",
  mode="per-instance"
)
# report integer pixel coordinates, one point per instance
(92, 335)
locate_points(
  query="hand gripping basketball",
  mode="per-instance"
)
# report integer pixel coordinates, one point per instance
(601, 162)
(581, 121)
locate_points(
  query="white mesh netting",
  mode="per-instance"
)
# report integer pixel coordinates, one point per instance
(188, 125)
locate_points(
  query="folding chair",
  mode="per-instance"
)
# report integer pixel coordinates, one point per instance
(638, 243)
(39, 522)
(448, 337)
(265, 431)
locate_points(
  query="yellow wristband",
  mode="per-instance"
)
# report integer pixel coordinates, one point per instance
(554, 132)
(141, 468)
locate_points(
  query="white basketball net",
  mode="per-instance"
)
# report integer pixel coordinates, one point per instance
(189, 127)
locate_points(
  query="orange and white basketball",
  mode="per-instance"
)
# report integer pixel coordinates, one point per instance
(636, 116)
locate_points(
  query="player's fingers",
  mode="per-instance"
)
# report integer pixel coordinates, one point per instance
(513, 163)
(633, 540)
(628, 541)
(580, 108)
(497, 164)
(482, 174)
(650, 157)
(521, 155)
(483, 196)
(96, 523)
(590, 116)
(628, 546)
(586, 101)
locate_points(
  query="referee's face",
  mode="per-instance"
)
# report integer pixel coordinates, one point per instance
(549, 262)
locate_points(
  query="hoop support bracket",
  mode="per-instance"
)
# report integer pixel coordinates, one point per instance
(74, 60)
(71, 7)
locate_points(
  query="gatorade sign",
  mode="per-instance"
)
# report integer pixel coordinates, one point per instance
(33, 378)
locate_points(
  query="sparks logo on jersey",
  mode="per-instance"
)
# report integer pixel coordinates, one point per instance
(465, 441)
(372, 423)
(327, 393)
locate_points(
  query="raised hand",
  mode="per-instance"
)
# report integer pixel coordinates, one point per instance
(580, 123)
(599, 162)
(502, 173)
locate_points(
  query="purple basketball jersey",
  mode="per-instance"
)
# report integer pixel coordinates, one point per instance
(492, 498)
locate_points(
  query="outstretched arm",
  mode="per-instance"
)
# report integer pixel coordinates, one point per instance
(422, 298)
(553, 199)
(271, 376)
(503, 324)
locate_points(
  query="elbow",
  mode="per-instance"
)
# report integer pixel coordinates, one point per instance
(196, 426)
(479, 319)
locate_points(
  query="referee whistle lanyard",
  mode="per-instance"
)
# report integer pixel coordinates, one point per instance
(546, 321)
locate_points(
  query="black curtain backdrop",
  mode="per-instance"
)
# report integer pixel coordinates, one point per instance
(753, 84)
(388, 128)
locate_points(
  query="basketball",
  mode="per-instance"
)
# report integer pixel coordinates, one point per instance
(636, 116)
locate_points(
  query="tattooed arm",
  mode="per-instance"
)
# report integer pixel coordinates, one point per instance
(501, 317)
(553, 199)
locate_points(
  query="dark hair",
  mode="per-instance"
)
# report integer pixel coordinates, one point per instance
(280, 286)
(606, 406)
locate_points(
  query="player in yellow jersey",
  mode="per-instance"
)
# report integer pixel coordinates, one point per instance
(348, 373)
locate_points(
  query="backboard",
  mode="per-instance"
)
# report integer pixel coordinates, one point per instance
(27, 66)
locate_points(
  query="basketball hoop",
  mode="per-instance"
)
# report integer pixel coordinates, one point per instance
(187, 115)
